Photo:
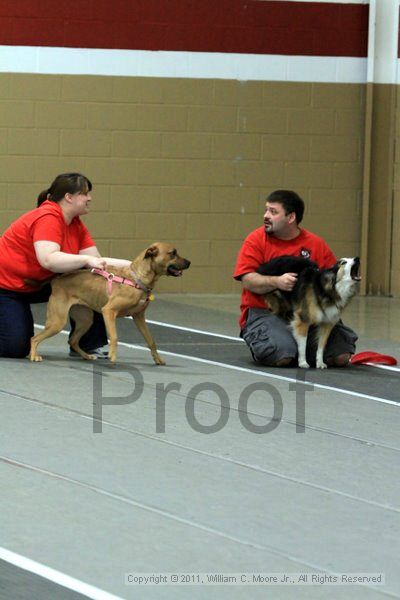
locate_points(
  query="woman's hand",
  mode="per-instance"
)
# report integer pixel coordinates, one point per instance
(95, 262)
(51, 258)
(118, 263)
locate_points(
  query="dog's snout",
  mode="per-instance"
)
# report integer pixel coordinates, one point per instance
(182, 263)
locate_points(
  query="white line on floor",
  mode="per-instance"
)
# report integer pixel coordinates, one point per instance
(169, 515)
(55, 576)
(191, 330)
(255, 372)
(238, 339)
(268, 375)
(386, 367)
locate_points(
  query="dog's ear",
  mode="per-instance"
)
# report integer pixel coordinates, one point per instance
(151, 252)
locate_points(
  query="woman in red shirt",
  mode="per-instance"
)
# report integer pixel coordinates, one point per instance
(47, 240)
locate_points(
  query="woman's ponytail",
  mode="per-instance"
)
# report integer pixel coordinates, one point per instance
(42, 197)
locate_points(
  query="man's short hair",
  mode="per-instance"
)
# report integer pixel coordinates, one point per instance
(290, 201)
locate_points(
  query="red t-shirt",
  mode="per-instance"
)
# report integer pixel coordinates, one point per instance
(259, 247)
(17, 255)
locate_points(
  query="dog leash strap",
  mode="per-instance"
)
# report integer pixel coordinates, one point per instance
(111, 278)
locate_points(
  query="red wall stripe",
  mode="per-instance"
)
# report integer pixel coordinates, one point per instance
(244, 26)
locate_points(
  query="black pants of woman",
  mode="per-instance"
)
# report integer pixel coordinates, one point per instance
(16, 323)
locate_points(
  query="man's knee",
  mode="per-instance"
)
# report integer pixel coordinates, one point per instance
(273, 356)
(284, 362)
(269, 340)
(342, 360)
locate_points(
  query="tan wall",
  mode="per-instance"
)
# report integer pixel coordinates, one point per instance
(395, 258)
(381, 186)
(381, 200)
(189, 161)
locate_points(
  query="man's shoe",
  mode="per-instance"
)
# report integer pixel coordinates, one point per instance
(99, 353)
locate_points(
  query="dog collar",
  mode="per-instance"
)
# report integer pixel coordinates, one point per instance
(112, 278)
(139, 284)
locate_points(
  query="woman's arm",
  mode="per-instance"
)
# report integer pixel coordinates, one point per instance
(115, 262)
(51, 258)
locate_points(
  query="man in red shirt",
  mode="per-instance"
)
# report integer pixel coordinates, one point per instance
(268, 336)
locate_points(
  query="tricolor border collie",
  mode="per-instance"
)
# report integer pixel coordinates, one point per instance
(318, 298)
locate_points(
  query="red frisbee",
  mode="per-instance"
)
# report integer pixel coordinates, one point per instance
(363, 358)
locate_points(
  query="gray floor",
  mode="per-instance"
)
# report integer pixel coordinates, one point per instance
(182, 478)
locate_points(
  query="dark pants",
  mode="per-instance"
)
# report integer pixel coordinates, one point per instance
(270, 339)
(16, 323)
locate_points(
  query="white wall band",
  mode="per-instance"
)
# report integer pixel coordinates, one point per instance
(192, 65)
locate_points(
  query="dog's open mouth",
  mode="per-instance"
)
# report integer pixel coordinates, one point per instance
(174, 271)
(355, 270)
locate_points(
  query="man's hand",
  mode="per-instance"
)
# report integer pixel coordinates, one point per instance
(263, 284)
(286, 282)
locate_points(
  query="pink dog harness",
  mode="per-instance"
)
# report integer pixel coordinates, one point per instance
(111, 278)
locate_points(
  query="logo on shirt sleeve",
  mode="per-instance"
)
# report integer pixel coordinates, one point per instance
(305, 253)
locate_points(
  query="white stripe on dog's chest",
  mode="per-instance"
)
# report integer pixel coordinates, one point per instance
(346, 290)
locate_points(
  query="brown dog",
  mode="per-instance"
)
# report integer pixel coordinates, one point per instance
(114, 292)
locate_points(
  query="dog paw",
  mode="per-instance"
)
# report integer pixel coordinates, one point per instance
(35, 358)
(321, 365)
(304, 365)
(158, 360)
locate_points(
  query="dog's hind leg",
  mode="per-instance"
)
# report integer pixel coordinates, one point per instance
(324, 332)
(57, 315)
(278, 304)
(300, 332)
(83, 317)
(144, 330)
(110, 317)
